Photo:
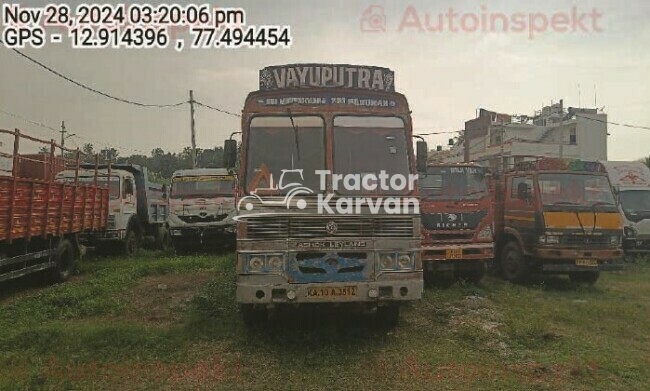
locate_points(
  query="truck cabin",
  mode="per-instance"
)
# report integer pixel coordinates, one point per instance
(202, 183)
(120, 184)
(557, 201)
(454, 182)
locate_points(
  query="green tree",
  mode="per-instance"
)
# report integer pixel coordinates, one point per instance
(646, 161)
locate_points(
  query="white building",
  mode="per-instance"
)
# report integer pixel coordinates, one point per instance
(500, 140)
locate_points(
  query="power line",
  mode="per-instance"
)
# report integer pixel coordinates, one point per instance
(44, 126)
(615, 123)
(435, 133)
(40, 125)
(104, 94)
(217, 109)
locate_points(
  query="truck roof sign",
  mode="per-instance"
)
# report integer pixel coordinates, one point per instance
(358, 77)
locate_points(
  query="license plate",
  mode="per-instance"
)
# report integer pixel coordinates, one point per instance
(454, 253)
(332, 291)
(586, 262)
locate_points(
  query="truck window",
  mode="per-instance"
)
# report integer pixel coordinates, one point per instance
(518, 186)
(578, 189)
(128, 187)
(367, 145)
(204, 186)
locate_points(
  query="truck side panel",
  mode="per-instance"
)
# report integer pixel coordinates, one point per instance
(30, 207)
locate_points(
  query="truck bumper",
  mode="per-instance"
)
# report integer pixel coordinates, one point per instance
(188, 236)
(571, 254)
(636, 246)
(370, 292)
(93, 238)
(449, 252)
(559, 260)
(571, 267)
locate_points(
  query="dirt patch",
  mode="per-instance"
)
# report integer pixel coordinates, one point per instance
(161, 300)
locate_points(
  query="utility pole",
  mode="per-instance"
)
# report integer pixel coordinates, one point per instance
(64, 137)
(192, 124)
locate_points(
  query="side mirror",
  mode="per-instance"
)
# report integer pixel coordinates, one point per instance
(128, 187)
(422, 156)
(230, 153)
(164, 192)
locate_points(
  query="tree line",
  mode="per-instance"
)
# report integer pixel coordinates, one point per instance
(161, 164)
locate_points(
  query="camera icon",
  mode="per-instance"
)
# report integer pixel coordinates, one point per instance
(373, 19)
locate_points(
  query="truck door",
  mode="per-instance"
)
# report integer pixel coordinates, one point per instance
(128, 196)
(520, 207)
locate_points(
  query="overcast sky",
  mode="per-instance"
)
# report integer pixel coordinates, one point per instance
(446, 75)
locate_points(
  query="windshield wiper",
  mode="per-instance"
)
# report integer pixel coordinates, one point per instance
(565, 203)
(295, 133)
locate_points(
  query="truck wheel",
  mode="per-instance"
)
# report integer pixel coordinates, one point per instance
(164, 240)
(588, 278)
(388, 315)
(131, 243)
(254, 315)
(64, 259)
(513, 263)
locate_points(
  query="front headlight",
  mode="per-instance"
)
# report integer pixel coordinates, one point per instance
(265, 263)
(404, 261)
(485, 233)
(256, 264)
(275, 263)
(549, 239)
(387, 262)
(614, 240)
(395, 261)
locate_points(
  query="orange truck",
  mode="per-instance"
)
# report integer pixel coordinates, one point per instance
(457, 221)
(557, 216)
(41, 218)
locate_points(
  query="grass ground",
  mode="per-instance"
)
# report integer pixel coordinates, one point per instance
(165, 322)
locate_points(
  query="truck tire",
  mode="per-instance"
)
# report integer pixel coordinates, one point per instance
(588, 278)
(64, 258)
(513, 263)
(131, 243)
(388, 315)
(253, 315)
(164, 240)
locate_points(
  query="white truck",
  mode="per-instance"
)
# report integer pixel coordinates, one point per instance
(201, 209)
(137, 211)
(631, 183)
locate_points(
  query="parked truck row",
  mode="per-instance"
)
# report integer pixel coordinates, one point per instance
(296, 243)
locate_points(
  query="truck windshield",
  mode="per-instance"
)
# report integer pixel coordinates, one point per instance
(634, 201)
(284, 153)
(202, 186)
(113, 185)
(368, 145)
(575, 189)
(453, 183)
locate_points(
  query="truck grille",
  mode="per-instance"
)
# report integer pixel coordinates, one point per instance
(315, 227)
(110, 222)
(202, 219)
(581, 240)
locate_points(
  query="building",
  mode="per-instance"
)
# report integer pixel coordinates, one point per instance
(501, 140)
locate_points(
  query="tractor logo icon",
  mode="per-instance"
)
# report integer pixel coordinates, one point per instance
(290, 191)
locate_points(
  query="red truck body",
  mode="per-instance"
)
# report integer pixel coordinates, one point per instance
(39, 217)
(457, 220)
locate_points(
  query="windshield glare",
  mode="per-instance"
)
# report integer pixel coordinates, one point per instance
(368, 145)
(635, 200)
(113, 185)
(202, 186)
(453, 183)
(575, 189)
(276, 146)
